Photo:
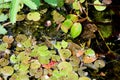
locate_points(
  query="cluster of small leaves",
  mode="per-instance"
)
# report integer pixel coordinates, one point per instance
(39, 61)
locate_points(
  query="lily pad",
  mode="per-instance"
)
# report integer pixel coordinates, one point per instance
(99, 6)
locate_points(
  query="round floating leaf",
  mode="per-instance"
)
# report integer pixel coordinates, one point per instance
(3, 46)
(65, 67)
(35, 64)
(76, 30)
(64, 44)
(90, 52)
(43, 60)
(4, 62)
(99, 6)
(65, 53)
(66, 25)
(35, 16)
(72, 76)
(7, 70)
(84, 78)
(13, 59)
(72, 17)
(99, 63)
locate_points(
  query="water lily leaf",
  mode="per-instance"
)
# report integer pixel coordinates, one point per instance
(3, 46)
(57, 17)
(23, 67)
(4, 62)
(65, 53)
(76, 5)
(90, 52)
(72, 17)
(76, 29)
(13, 58)
(99, 63)
(60, 3)
(65, 68)
(84, 78)
(3, 17)
(35, 64)
(99, 6)
(57, 45)
(64, 44)
(35, 16)
(52, 2)
(7, 70)
(66, 25)
(72, 76)
(43, 60)
(2, 30)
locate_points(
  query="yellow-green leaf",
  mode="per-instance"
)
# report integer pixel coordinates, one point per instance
(76, 30)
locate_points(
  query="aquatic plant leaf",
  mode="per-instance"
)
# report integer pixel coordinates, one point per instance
(7, 70)
(35, 16)
(72, 76)
(13, 58)
(84, 78)
(99, 63)
(88, 59)
(76, 29)
(30, 4)
(22, 77)
(4, 62)
(23, 67)
(5, 5)
(65, 53)
(72, 17)
(27, 43)
(3, 17)
(35, 64)
(2, 30)
(3, 46)
(8, 39)
(43, 60)
(99, 6)
(56, 74)
(106, 31)
(51, 2)
(57, 45)
(57, 17)
(21, 38)
(60, 3)
(14, 10)
(55, 58)
(65, 67)
(66, 25)
(90, 52)
(75, 5)
(64, 44)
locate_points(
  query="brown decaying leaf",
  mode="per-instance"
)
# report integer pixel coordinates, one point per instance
(8, 39)
(87, 59)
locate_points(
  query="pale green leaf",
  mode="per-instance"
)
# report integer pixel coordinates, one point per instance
(2, 30)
